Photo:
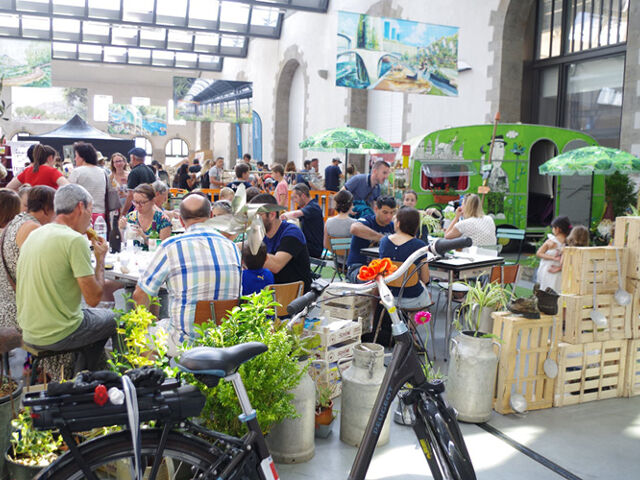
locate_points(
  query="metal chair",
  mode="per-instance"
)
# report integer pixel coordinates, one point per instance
(512, 234)
(340, 247)
(284, 294)
(213, 310)
(505, 275)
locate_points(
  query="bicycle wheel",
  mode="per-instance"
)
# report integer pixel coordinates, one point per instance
(111, 457)
(448, 446)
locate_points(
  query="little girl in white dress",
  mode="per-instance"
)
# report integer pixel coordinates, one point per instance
(550, 254)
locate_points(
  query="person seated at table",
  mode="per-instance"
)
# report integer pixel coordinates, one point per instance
(199, 264)
(311, 218)
(162, 198)
(398, 247)
(242, 177)
(254, 276)
(368, 230)
(475, 224)
(54, 273)
(227, 194)
(366, 187)
(10, 206)
(287, 254)
(339, 226)
(147, 220)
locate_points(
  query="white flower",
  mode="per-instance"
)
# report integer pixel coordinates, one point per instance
(512, 134)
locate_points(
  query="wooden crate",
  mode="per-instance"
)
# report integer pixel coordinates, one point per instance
(633, 287)
(346, 313)
(590, 371)
(632, 375)
(338, 332)
(627, 235)
(577, 269)
(575, 314)
(351, 301)
(523, 373)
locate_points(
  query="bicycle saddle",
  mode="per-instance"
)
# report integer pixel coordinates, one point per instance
(219, 362)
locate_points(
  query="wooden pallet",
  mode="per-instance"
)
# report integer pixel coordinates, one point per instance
(575, 314)
(590, 371)
(632, 375)
(523, 373)
(577, 269)
(627, 234)
(633, 287)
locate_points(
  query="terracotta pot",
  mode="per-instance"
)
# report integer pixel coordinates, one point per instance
(324, 415)
(445, 198)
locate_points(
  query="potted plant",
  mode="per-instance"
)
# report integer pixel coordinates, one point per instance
(324, 408)
(473, 362)
(10, 392)
(31, 450)
(444, 196)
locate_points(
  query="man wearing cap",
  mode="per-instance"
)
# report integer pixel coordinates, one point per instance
(139, 174)
(332, 176)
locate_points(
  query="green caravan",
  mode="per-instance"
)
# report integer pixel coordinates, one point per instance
(452, 162)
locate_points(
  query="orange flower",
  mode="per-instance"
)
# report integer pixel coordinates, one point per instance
(367, 273)
(377, 266)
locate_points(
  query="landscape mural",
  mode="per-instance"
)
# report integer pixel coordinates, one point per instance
(25, 63)
(137, 120)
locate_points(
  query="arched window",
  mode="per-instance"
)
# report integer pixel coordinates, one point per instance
(175, 151)
(144, 143)
(14, 138)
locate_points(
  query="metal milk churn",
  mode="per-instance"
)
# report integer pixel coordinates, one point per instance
(293, 439)
(472, 376)
(360, 385)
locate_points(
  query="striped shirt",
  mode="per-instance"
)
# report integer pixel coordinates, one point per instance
(198, 265)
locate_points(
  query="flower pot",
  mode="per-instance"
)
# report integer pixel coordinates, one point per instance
(324, 415)
(472, 376)
(323, 431)
(444, 199)
(6, 414)
(18, 471)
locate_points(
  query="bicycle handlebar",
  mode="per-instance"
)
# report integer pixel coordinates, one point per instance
(436, 249)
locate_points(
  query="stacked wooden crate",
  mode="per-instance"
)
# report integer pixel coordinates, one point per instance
(354, 307)
(592, 360)
(524, 346)
(627, 235)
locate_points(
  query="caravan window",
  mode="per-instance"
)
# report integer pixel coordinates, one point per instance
(446, 176)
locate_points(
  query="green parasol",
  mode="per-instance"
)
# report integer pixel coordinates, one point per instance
(347, 139)
(593, 160)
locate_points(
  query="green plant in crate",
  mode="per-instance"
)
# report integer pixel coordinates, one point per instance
(489, 295)
(268, 378)
(33, 447)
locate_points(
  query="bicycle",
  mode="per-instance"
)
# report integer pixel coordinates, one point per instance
(180, 448)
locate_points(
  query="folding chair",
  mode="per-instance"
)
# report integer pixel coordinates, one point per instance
(512, 234)
(284, 294)
(213, 310)
(505, 275)
(340, 248)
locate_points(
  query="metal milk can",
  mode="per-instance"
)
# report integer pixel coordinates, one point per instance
(472, 376)
(360, 385)
(293, 439)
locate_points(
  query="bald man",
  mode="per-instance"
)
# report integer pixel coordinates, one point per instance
(200, 264)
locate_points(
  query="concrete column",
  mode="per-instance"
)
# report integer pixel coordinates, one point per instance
(630, 126)
(205, 135)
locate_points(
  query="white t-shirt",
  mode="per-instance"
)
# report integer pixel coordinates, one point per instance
(215, 173)
(94, 179)
(481, 230)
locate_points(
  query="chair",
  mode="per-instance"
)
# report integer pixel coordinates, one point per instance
(284, 294)
(512, 234)
(505, 275)
(318, 264)
(340, 248)
(38, 357)
(214, 310)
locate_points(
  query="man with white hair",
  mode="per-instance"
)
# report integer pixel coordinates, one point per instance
(54, 273)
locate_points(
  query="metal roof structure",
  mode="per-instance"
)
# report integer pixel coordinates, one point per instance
(188, 34)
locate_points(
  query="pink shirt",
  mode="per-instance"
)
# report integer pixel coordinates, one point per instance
(282, 189)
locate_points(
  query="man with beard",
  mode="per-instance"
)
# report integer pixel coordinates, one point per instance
(287, 254)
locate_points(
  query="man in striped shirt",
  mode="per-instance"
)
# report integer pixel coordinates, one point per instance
(198, 265)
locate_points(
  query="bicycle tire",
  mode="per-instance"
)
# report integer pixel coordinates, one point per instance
(190, 457)
(454, 456)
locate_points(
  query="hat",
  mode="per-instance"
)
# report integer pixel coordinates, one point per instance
(336, 160)
(137, 152)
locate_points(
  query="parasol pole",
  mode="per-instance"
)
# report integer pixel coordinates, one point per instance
(493, 139)
(346, 163)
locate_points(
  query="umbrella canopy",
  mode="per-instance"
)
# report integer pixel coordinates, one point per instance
(593, 160)
(349, 139)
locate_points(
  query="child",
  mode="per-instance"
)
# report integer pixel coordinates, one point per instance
(550, 254)
(226, 194)
(409, 199)
(579, 237)
(255, 277)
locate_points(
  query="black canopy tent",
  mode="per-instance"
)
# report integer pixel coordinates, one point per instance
(77, 130)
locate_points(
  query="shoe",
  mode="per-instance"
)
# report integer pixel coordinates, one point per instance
(527, 307)
(547, 301)
(404, 414)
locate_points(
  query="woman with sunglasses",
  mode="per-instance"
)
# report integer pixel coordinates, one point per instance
(147, 220)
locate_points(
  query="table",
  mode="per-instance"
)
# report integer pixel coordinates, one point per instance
(458, 263)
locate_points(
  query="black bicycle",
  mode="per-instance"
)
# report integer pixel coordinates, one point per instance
(179, 448)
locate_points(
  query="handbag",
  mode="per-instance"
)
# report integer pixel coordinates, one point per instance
(111, 197)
